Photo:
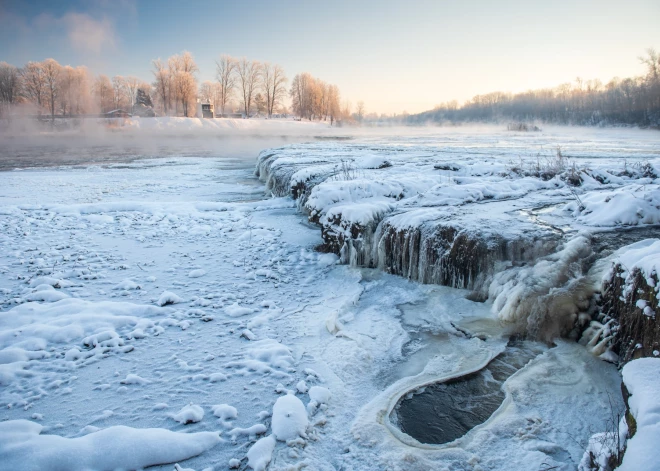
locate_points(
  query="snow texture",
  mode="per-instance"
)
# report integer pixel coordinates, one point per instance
(289, 418)
(642, 379)
(22, 446)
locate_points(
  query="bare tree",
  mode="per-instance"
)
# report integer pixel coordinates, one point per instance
(131, 85)
(52, 70)
(248, 79)
(206, 91)
(300, 95)
(34, 82)
(183, 69)
(162, 83)
(67, 88)
(652, 62)
(273, 83)
(360, 111)
(103, 92)
(9, 85)
(225, 70)
(333, 104)
(118, 91)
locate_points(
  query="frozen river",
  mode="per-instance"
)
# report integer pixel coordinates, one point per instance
(160, 288)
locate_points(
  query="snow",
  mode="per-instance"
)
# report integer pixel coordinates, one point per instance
(234, 310)
(189, 414)
(632, 205)
(319, 394)
(134, 379)
(260, 454)
(168, 298)
(289, 418)
(271, 317)
(643, 255)
(642, 379)
(22, 446)
(225, 412)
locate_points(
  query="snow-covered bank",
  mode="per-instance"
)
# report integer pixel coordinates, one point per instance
(631, 441)
(642, 380)
(454, 215)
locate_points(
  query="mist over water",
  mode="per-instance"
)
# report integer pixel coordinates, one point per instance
(100, 146)
(26, 143)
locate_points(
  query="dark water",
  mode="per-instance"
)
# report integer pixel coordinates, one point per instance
(446, 411)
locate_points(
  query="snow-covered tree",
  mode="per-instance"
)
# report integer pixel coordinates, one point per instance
(143, 97)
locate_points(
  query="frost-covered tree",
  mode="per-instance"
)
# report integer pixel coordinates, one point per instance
(34, 83)
(260, 103)
(226, 76)
(300, 95)
(103, 93)
(131, 86)
(249, 73)
(273, 83)
(182, 72)
(52, 70)
(143, 97)
(119, 98)
(312, 98)
(334, 108)
(9, 86)
(162, 84)
(360, 111)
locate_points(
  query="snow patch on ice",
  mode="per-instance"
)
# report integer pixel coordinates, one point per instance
(23, 447)
(289, 418)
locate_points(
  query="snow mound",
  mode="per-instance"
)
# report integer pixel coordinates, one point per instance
(134, 379)
(642, 379)
(126, 285)
(37, 327)
(168, 298)
(289, 418)
(260, 454)
(225, 412)
(119, 447)
(189, 414)
(235, 310)
(319, 394)
(629, 206)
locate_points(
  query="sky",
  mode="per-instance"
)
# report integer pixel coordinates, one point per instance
(394, 55)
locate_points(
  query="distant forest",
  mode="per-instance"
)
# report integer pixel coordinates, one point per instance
(629, 101)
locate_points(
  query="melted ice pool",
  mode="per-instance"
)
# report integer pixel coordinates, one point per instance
(443, 412)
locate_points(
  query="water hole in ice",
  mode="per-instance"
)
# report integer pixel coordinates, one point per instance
(442, 412)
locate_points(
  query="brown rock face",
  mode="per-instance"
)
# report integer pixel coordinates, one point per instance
(638, 334)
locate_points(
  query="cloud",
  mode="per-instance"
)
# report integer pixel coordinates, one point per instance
(81, 31)
(87, 34)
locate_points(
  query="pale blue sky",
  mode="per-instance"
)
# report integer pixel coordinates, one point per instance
(393, 55)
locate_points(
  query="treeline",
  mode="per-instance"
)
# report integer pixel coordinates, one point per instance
(632, 101)
(48, 88)
(242, 86)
